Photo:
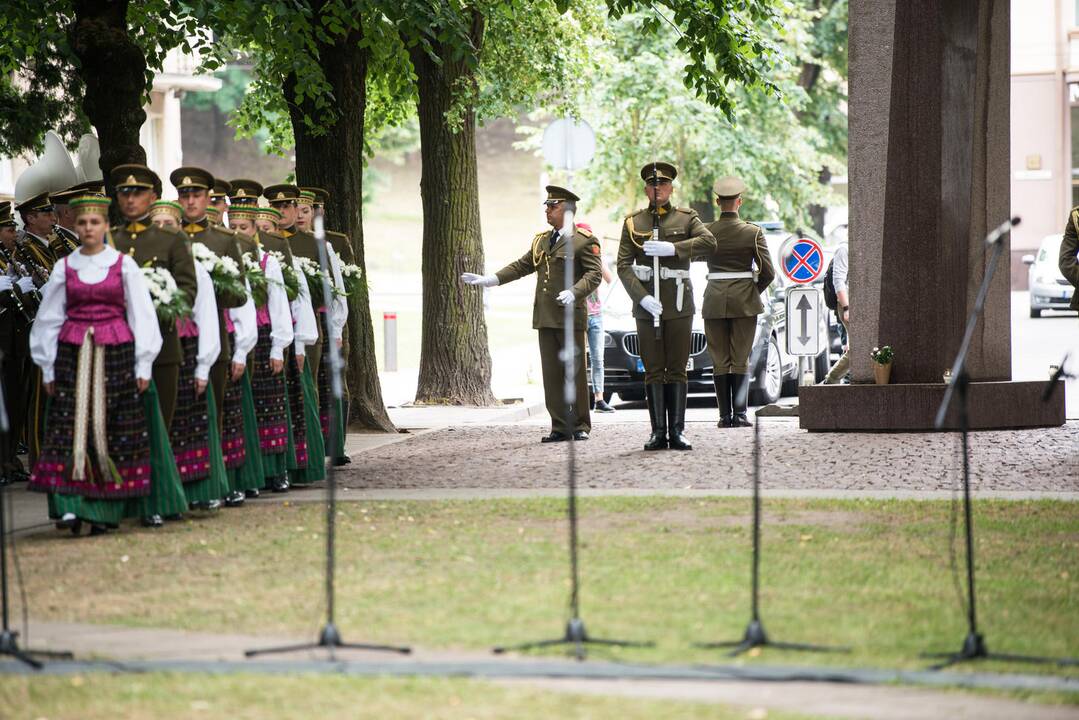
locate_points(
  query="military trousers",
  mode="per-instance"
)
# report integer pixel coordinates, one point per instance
(551, 342)
(167, 379)
(730, 342)
(665, 359)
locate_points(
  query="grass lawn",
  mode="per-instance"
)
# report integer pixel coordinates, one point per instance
(239, 697)
(874, 575)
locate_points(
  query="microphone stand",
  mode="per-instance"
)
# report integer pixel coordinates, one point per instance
(575, 633)
(974, 647)
(9, 643)
(330, 636)
(754, 635)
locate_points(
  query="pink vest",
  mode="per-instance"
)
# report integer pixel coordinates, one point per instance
(100, 306)
(262, 313)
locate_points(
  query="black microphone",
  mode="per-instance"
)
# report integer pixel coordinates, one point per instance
(1054, 380)
(1001, 230)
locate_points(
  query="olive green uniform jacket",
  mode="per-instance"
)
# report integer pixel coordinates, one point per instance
(740, 247)
(1069, 264)
(549, 264)
(222, 242)
(164, 248)
(691, 239)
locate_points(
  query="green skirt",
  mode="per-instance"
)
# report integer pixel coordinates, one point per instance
(166, 491)
(250, 475)
(215, 485)
(93, 510)
(316, 447)
(338, 449)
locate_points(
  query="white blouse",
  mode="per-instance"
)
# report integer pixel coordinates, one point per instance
(204, 313)
(92, 269)
(339, 306)
(281, 332)
(306, 326)
(245, 324)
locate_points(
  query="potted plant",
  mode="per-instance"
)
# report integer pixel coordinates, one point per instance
(883, 357)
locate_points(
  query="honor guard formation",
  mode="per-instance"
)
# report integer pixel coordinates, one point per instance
(170, 360)
(658, 244)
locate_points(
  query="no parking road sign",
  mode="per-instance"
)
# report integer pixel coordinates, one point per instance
(807, 335)
(802, 260)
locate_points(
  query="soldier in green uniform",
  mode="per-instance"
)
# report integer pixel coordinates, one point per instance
(218, 193)
(283, 198)
(15, 321)
(136, 189)
(681, 237)
(739, 270)
(547, 258)
(193, 185)
(1068, 262)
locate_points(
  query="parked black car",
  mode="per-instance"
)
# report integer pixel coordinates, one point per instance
(774, 375)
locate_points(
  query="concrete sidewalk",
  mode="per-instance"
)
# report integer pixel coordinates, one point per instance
(830, 692)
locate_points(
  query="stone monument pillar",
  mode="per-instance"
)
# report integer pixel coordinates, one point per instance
(929, 175)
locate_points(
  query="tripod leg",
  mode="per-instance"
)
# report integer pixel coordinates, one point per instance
(805, 647)
(50, 654)
(619, 643)
(23, 657)
(282, 649)
(531, 645)
(365, 646)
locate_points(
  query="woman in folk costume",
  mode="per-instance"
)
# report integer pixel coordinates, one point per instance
(306, 448)
(95, 339)
(274, 336)
(337, 308)
(194, 435)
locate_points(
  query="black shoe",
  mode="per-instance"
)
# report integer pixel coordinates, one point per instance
(18, 476)
(603, 407)
(554, 437)
(675, 396)
(341, 460)
(580, 435)
(234, 499)
(214, 504)
(153, 521)
(252, 493)
(279, 484)
(741, 420)
(657, 414)
(175, 517)
(739, 400)
(96, 529)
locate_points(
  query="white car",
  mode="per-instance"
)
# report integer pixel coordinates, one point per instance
(1049, 290)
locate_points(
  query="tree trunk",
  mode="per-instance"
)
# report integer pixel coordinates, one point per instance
(455, 363)
(113, 68)
(334, 161)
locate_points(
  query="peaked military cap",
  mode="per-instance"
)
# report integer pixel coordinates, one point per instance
(65, 196)
(245, 191)
(40, 201)
(663, 170)
(281, 192)
(558, 194)
(321, 196)
(134, 176)
(6, 218)
(222, 188)
(191, 177)
(729, 187)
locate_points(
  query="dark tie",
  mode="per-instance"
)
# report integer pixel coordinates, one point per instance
(554, 238)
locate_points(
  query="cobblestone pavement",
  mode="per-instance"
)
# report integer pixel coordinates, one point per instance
(511, 456)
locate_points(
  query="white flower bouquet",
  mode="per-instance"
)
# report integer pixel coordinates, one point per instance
(313, 273)
(169, 301)
(223, 271)
(256, 280)
(353, 278)
(288, 273)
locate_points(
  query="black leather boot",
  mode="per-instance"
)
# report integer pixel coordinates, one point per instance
(657, 413)
(676, 411)
(739, 399)
(723, 399)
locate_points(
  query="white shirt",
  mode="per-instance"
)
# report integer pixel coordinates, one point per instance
(245, 325)
(281, 332)
(339, 305)
(306, 326)
(204, 313)
(839, 269)
(92, 269)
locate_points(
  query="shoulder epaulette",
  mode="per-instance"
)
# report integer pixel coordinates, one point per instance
(586, 232)
(226, 230)
(687, 211)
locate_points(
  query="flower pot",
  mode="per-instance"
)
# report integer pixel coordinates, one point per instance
(882, 373)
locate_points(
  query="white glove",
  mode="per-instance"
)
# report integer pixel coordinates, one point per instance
(5, 283)
(566, 297)
(26, 284)
(650, 304)
(481, 280)
(658, 248)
